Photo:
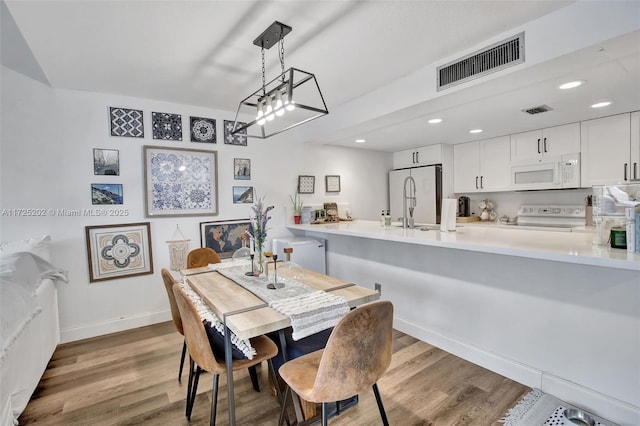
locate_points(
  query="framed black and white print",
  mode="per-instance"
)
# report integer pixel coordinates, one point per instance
(119, 251)
(241, 168)
(243, 195)
(106, 193)
(167, 126)
(106, 162)
(180, 181)
(237, 139)
(332, 183)
(126, 122)
(203, 129)
(306, 184)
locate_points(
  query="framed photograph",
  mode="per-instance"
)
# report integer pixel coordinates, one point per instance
(242, 194)
(106, 162)
(106, 193)
(223, 236)
(306, 184)
(332, 183)
(126, 122)
(203, 129)
(119, 251)
(180, 181)
(241, 168)
(237, 139)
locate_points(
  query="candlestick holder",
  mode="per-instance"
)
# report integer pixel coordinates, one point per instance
(251, 273)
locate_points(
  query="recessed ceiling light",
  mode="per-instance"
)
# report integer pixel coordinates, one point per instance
(435, 121)
(361, 140)
(601, 104)
(475, 131)
(571, 85)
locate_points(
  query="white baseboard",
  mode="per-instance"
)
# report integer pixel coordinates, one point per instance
(590, 400)
(113, 326)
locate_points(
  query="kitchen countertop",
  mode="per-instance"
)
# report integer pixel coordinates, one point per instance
(572, 247)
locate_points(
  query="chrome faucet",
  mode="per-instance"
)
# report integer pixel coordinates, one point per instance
(407, 222)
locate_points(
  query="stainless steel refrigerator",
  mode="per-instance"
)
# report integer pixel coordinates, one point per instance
(428, 193)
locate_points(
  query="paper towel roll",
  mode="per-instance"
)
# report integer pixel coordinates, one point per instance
(448, 214)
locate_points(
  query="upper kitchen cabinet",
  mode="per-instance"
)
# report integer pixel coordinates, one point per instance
(607, 149)
(424, 156)
(635, 146)
(482, 166)
(553, 141)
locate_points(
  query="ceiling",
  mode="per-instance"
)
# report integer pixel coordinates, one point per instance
(201, 53)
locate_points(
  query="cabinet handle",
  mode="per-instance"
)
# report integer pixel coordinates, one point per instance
(477, 182)
(539, 146)
(417, 157)
(545, 144)
(625, 170)
(635, 170)
(413, 158)
(481, 185)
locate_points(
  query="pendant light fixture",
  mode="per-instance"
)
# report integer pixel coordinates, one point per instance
(291, 99)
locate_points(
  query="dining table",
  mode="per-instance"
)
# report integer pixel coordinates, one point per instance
(247, 315)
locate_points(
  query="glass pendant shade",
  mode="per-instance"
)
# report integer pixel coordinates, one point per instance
(269, 109)
(290, 105)
(279, 107)
(260, 117)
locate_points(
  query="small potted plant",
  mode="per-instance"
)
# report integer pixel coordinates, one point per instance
(297, 203)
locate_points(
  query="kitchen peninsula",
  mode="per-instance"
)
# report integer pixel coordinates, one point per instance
(547, 309)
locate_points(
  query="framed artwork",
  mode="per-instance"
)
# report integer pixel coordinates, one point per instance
(106, 162)
(223, 236)
(332, 183)
(306, 184)
(237, 139)
(203, 129)
(180, 181)
(167, 126)
(126, 122)
(119, 251)
(242, 194)
(241, 168)
(106, 193)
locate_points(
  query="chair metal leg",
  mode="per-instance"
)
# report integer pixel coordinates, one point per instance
(383, 415)
(214, 399)
(190, 384)
(253, 373)
(325, 420)
(194, 390)
(283, 409)
(274, 378)
(184, 352)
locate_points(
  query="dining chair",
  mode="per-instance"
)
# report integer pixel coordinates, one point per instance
(169, 281)
(202, 257)
(203, 358)
(357, 354)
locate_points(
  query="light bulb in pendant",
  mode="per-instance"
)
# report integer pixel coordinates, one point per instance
(260, 117)
(290, 105)
(269, 110)
(279, 107)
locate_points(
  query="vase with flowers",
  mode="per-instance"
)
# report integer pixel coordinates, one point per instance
(258, 231)
(297, 204)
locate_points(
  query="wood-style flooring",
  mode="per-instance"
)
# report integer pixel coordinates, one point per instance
(130, 378)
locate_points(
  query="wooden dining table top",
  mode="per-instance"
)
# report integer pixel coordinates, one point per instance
(255, 317)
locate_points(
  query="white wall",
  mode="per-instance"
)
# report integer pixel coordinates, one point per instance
(47, 140)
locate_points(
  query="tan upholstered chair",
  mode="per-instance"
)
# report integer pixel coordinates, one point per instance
(357, 354)
(169, 281)
(201, 354)
(202, 257)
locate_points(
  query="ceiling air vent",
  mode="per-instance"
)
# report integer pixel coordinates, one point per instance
(538, 109)
(496, 57)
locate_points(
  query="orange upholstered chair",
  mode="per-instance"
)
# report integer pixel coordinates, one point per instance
(169, 281)
(357, 354)
(202, 257)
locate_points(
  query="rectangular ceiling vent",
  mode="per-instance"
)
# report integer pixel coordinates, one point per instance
(496, 57)
(538, 109)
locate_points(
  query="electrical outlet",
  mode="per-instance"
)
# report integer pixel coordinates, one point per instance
(378, 288)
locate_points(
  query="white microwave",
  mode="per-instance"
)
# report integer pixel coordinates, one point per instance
(549, 173)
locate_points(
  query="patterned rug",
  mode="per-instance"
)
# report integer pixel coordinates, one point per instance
(540, 409)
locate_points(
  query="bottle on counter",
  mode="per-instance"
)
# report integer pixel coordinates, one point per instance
(387, 220)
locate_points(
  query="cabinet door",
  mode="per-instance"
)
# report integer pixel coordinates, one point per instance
(635, 145)
(495, 166)
(561, 140)
(605, 149)
(428, 155)
(406, 158)
(526, 146)
(466, 167)
(396, 186)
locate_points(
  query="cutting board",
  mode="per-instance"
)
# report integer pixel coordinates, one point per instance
(467, 219)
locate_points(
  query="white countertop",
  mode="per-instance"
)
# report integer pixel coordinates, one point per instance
(572, 247)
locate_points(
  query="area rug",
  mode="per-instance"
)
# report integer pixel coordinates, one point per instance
(540, 409)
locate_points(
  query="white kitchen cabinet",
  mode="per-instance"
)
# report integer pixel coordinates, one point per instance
(482, 166)
(635, 145)
(424, 156)
(552, 141)
(606, 150)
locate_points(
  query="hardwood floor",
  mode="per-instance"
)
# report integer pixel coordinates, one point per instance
(130, 378)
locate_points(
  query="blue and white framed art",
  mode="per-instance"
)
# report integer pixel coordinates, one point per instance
(126, 122)
(180, 181)
(203, 129)
(119, 251)
(167, 126)
(237, 139)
